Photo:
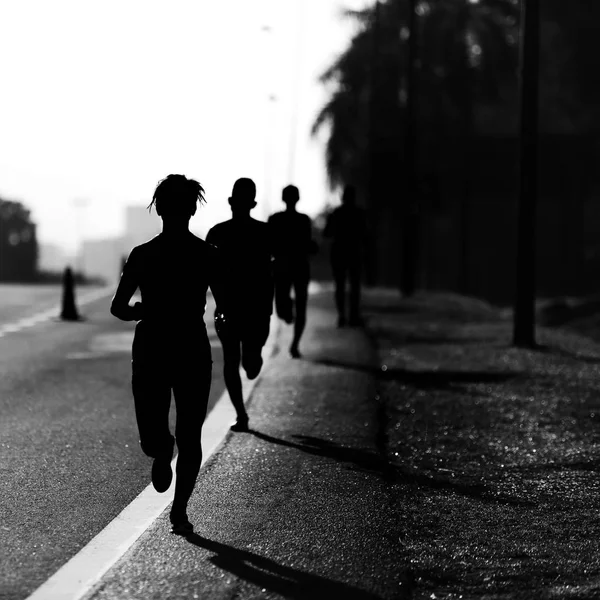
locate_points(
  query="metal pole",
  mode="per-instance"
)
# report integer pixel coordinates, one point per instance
(524, 307)
(269, 124)
(296, 90)
(408, 282)
(373, 253)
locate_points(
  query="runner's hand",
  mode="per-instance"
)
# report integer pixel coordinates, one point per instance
(137, 311)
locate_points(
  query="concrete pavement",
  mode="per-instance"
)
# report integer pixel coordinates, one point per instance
(422, 457)
(300, 506)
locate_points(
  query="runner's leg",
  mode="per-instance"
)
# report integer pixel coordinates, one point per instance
(230, 341)
(191, 390)
(283, 286)
(152, 399)
(301, 281)
(254, 337)
(354, 271)
(338, 268)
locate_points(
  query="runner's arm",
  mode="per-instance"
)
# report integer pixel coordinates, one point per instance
(329, 230)
(311, 247)
(128, 284)
(216, 275)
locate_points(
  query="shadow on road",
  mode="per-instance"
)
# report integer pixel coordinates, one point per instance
(438, 379)
(372, 462)
(364, 460)
(446, 340)
(266, 573)
(564, 353)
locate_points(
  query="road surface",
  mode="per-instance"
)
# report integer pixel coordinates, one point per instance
(69, 454)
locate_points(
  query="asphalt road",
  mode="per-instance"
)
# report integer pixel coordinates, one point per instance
(69, 455)
(23, 300)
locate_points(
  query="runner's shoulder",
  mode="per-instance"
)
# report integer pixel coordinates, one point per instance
(259, 225)
(262, 233)
(146, 248)
(217, 232)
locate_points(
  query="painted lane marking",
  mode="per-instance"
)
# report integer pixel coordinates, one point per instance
(83, 571)
(53, 312)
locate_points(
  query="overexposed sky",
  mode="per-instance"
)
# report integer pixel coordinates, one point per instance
(100, 100)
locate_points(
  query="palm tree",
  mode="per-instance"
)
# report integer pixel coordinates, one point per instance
(466, 53)
(471, 49)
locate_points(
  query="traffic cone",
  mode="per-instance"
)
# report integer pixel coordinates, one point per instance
(69, 309)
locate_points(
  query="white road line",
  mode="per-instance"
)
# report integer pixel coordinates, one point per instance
(82, 572)
(53, 312)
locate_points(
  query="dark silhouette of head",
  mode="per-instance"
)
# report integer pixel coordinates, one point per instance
(290, 196)
(349, 196)
(243, 195)
(176, 198)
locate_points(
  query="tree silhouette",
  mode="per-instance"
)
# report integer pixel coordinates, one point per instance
(18, 243)
(466, 56)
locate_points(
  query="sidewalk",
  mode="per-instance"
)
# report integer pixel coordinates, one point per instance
(421, 458)
(497, 451)
(299, 507)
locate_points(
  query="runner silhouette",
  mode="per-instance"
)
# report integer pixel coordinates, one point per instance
(291, 233)
(346, 228)
(242, 323)
(171, 350)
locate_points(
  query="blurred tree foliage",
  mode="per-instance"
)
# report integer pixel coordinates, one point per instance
(570, 66)
(467, 59)
(466, 83)
(18, 243)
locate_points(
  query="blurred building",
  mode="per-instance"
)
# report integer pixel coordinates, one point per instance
(51, 257)
(104, 257)
(140, 226)
(101, 258)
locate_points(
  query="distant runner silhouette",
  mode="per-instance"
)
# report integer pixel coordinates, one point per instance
(242, 318)
(346, 228)
(171, 350)
(291, 233)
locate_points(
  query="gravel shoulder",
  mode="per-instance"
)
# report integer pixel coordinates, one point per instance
(495, 450)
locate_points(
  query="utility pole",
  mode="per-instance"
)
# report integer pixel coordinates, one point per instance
(372, 183)
(80, 206)
(270, 108)
(524, 306)
(296, 75)
(410, 235)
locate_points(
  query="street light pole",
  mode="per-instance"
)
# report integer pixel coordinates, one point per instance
(408, 280)
(524, 307)
(80, 205)
(296, 90)
(269, 122)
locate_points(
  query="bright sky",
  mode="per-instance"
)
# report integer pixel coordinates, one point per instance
(100, 100)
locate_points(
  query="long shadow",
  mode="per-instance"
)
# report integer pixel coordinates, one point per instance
(369, 461)
(439, 379)
(447, 340)
(546, 349)
(268, 574)
(560, 314)
(363, 460)
(592, 465)
(390, 309)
